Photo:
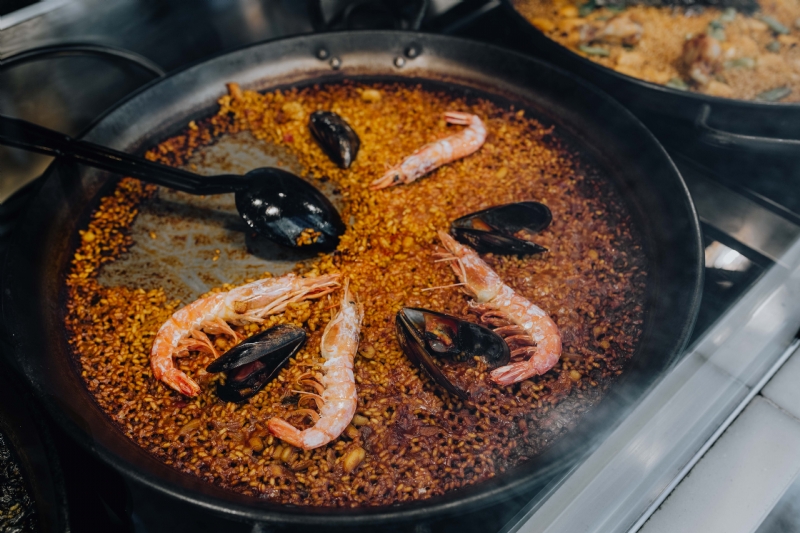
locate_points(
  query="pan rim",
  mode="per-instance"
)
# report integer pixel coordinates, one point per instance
(361, 515)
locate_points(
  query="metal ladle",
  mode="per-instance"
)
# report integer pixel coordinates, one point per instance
(274, 202)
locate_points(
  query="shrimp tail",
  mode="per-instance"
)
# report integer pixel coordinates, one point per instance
(538, 364)
(513, 373)
(393, 176)
(286, 432)
(181, 382)
(458, 117)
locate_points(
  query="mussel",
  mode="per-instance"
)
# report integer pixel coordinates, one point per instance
(335, 136)
(504, 229)
(251, 364)
(427, 335)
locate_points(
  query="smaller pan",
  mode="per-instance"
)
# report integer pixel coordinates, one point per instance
(740, 139)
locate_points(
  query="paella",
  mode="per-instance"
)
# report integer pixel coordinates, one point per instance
(434, 348)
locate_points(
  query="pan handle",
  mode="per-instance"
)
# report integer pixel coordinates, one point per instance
(32, 137)
(764, 146)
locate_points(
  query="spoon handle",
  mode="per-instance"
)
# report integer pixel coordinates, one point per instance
(34, 138)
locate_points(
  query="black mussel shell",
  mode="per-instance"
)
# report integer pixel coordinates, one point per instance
(245, 384)
(254, 362)
(280, 206)
(498, 229)
(425, 335)
(272, 343)
(335, 136)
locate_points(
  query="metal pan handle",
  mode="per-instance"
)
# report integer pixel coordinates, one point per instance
(32, 137)
(764, 146)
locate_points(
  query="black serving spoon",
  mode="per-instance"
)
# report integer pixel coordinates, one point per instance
(277, 204)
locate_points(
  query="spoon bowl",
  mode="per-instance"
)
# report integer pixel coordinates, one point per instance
(278, 205)
(288, 210)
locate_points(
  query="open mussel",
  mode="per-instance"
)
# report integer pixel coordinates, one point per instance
(427, 335)
(254, 362)
(504, 229)
(335, 136)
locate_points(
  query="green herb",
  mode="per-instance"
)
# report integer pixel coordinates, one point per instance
(716, 29)
(586, 9)
(616, 9)
(773, 24)
(593, 50)
(677, 83)
(774, 46)
(740, 62)
(729, 15)
(774, 95)
(716, 33)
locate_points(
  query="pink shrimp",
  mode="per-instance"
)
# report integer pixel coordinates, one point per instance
(339, 398)
(438, 153)
(186, 329)
(533, 337)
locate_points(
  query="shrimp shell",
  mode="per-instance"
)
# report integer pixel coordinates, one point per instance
(339, 399)
(531, 331)
(438, 153)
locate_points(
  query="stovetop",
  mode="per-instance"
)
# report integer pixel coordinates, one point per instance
(746, 224)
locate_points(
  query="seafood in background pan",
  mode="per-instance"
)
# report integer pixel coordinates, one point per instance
(187, 330)
(739, 49)
(339, 398)
(532, 336)
(438, 153)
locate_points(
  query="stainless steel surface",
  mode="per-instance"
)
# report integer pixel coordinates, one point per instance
(616, 484)
(739, 217)
(785, 515)
(32, 11)
(744, 485)
(784, 389)
(739, 480)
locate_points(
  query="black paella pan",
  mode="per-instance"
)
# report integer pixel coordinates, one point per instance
(602, 131)
(740, 139)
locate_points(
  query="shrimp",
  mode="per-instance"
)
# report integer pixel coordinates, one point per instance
(701, 57)
(533, 337)
(186, 329)
(619, 30)
(438, 153)
(338, 400)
